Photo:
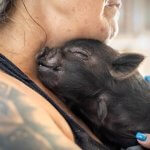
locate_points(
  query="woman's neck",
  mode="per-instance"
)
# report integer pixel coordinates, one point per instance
(21, 47)
(21, 38)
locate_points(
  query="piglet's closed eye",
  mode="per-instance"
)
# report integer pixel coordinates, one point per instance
(125, 65)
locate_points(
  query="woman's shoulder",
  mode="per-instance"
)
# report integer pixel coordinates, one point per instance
(25, 117)
(9, 84)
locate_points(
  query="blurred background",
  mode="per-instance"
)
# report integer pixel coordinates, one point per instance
(134, 34)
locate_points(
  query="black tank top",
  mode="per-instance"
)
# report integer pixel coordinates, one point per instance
(82, 138)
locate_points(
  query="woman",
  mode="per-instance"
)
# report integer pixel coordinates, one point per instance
(28, 120)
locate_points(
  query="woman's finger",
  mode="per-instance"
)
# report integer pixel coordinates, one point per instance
(143, 139)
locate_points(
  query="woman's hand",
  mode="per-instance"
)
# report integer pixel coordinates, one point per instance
(143, 139)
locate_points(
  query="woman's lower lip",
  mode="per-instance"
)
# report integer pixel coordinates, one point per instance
(112, 5)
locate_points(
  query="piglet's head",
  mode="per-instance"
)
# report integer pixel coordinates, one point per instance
(82, 68)
(86, 63)
(80, 71)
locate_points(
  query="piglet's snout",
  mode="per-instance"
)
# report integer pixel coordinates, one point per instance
(51, 59)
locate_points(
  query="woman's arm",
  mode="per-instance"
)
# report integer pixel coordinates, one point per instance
(25, 124)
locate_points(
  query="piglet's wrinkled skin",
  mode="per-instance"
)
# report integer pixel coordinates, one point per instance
(101, 86)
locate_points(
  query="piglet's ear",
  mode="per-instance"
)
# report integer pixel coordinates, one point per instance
(125, 65)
